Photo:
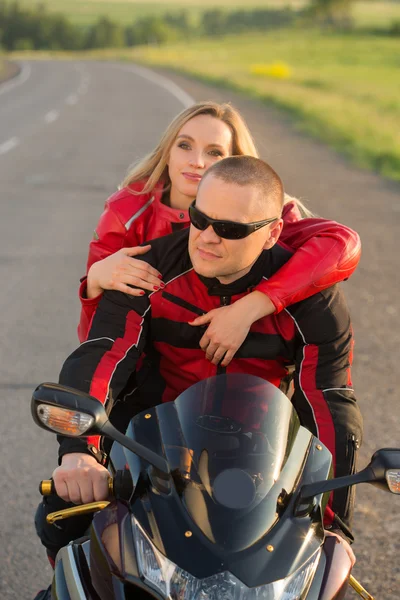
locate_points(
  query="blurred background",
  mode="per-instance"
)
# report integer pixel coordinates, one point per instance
(86, 88)
(334, 64)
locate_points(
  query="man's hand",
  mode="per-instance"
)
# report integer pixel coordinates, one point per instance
(226, 332)
(81, 479)
(346, 545)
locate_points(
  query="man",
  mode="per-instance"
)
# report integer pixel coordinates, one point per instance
(230, 247)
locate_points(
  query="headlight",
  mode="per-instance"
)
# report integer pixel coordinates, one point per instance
(176, 584)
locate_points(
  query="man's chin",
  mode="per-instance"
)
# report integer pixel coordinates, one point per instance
(206, 269)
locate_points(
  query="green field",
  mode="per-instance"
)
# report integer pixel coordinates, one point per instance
(342, 89)
(366, 12)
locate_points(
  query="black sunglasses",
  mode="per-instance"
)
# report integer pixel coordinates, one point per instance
(229, 230)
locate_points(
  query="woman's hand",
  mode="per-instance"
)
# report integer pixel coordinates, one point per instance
(346, 546)
(120, 270)
(225, 333)
(229, 325)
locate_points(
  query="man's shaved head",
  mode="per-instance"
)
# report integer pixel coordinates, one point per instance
(249, 171)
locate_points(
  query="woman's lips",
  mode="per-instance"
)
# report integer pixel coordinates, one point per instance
(192, 176)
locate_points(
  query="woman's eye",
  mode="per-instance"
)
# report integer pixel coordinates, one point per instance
(184, 146)
(216, 153)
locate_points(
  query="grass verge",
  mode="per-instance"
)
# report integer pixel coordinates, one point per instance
(342, 89)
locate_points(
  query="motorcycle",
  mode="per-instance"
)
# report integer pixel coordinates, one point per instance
(217, 495)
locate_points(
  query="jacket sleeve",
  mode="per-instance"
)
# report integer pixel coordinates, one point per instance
(323, 396)
(109, 237)
(325, 253)
(102, 365)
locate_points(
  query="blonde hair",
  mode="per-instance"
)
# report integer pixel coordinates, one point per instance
(153, 167)
(304, 211)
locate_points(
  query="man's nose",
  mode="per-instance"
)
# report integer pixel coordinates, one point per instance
(209, 236)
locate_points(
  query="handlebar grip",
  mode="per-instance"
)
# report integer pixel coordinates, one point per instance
(121, 486)
(47, 487)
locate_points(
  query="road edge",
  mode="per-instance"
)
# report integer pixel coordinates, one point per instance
(11, 69)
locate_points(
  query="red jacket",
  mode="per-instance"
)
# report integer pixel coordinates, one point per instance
(325, 251)
(314, 335)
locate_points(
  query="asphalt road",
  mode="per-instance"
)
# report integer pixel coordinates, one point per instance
(68, 132)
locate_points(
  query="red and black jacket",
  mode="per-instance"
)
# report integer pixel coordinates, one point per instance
(314, 335)
(325, 252)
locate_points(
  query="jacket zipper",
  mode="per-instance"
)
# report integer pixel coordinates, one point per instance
(353, 445)
(225, 301)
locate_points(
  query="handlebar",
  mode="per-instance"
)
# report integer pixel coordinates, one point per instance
(120, 486)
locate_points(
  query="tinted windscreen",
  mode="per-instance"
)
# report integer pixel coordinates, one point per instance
(227, 440)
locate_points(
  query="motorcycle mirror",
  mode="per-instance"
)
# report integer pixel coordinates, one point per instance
(385, 465)
(67, 411)
(73, 413)
(383, 471)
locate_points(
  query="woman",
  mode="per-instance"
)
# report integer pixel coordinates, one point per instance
(153, 201)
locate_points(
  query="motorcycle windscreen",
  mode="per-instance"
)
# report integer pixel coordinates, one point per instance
(227, 440)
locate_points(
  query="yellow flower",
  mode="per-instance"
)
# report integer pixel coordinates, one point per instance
(278, 70)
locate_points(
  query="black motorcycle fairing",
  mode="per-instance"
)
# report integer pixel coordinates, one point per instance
(105, 561)
(314, 591)
(59, 589)
(279, 455)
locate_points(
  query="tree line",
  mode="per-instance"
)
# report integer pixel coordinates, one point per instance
(35, 28)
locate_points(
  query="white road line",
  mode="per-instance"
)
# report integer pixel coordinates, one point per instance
(162, 81)
(72, 99)
(9, 145)
(52, 116)
(18, 80)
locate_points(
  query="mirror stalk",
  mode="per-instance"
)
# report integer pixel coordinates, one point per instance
(148, 455)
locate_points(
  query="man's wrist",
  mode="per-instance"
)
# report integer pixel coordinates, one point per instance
(78, 446)
(75, 457)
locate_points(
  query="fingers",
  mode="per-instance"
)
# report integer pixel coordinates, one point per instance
(214, 351)
(139, 288)
(146, 271)
(130, 252)
(203, 320)
(227, 358)
(119, 268)
(138, 282)
(218, 355)
(346, 545)
(81, 485)
(204, 342)
(100, 485)
(211, 350)
(137, 250)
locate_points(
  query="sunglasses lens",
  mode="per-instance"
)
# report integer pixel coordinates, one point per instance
(224, 229)
(231, 231)
(197, 219)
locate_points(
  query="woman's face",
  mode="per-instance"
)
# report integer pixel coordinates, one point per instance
(200, 143)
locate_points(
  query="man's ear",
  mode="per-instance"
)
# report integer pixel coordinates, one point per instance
(274, 233)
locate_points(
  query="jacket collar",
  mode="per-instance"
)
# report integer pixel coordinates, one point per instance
(248, 281)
